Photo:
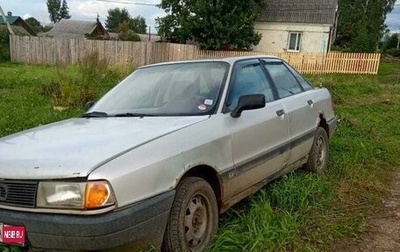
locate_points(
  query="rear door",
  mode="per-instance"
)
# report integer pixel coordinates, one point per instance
(259, 137)
(299, 105)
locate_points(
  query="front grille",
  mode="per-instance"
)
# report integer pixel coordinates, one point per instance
(18, 193)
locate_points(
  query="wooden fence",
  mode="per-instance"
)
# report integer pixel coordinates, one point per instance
(41, 50)
(315, 63)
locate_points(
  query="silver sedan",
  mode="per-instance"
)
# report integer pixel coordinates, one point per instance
(160, 156)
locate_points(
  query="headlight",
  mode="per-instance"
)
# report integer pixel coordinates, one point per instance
(74, 195)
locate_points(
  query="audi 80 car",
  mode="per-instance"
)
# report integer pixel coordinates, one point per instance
(161, 155)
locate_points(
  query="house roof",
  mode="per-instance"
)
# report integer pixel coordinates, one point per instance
(72, 28)
(300, 11)
(11, 19)
(18, 30)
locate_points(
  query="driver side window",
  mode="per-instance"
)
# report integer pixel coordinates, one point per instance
(249, 78)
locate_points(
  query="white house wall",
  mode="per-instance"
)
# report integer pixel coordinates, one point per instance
(275, 36)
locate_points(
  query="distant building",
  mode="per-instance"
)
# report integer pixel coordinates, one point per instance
(17, 24)
(297, 26)
(76, 29)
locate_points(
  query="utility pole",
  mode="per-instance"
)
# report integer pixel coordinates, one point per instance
(5, 20)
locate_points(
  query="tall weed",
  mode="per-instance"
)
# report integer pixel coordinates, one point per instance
(94, 76)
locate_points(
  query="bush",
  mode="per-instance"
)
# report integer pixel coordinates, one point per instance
(129, 36)
(393, 52)
(4, 44)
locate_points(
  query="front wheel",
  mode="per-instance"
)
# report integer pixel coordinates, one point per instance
(318, 156)
(193, 219)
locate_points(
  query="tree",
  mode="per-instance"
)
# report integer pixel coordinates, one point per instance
(125, 33)
(53, 7)
(118, 16)
(64, 10)
(57, 11)
(34, 24)
(361, 23)
(115, 17)
(392, 41)
(213, 24)
(138, 25)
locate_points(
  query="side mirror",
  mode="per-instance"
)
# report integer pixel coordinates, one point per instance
(248, 102)
(88, 105)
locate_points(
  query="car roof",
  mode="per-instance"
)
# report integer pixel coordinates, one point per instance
(230, 60)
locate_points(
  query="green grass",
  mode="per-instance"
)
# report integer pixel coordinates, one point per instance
(299, 212)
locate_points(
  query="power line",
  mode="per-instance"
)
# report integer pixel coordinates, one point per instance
(127, 2)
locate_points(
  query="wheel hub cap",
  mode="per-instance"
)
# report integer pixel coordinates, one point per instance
(320, 152)
(196, 221)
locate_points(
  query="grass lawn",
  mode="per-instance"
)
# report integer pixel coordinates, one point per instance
(299, 212)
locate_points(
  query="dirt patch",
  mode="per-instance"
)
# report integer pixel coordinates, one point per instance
(383, 232)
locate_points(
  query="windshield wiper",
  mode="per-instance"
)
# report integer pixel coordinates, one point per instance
(132, 115)
(95, 114)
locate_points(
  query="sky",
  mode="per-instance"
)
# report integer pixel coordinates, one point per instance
(393, 19)
(84, 9)
(88, 9)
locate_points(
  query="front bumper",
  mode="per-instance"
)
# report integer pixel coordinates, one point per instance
(140, 225)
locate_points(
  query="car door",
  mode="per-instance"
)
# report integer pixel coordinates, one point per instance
(299, 106)
(259, 137)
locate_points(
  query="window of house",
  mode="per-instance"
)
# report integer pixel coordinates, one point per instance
(294, 41)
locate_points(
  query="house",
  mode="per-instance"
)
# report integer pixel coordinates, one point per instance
(17, 24)
(297, 26)
(76, 29)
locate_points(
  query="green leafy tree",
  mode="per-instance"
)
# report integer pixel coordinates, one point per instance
(392, 41)
(34, 24)
(53, 7)
(126, 34)
(58, 11)
(213, 24)
(138, 25)
(116, 17)
(361, 23)
(64, 10)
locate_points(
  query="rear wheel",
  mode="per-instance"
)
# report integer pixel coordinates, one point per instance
(194, 217)
(318, 156)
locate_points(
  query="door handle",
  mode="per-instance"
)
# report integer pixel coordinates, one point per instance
(280, 112)
(310, 102)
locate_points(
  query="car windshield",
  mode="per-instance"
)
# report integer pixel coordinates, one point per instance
(166, 90)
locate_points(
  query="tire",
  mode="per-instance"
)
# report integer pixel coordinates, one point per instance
(193, 220)
(318, 156)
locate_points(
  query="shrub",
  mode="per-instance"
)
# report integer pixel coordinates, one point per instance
(4, 44)
(393, 52)
(129, 36)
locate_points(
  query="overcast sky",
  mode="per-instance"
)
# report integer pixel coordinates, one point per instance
(83, 9)
(88, 9)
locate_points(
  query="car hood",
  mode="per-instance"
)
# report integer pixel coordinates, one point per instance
(73, 148)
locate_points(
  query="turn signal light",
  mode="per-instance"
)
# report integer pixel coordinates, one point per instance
(98, 194)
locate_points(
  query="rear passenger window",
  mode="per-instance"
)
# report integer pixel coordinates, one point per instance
(303, 82)
(286, 83)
